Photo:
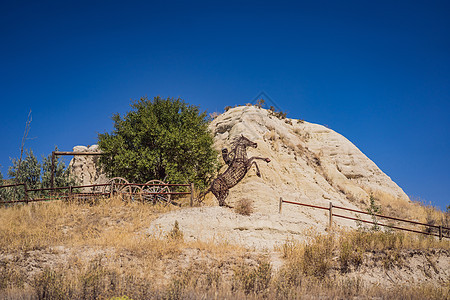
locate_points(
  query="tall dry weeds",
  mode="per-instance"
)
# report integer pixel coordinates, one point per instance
(110, 222)
(106, 252)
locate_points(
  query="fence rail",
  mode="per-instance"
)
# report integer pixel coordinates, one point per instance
(72, 194)
(332, 214)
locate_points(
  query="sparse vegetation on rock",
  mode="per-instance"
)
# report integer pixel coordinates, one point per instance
(279, 114)
(260, 103)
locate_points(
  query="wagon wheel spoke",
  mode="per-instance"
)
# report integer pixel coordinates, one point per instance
(135, 193)
(156, 187)
(118, 186)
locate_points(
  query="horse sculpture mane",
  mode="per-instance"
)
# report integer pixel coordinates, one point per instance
(238, 166)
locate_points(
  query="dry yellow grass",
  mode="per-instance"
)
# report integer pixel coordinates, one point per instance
(53, 247)
(339, 241)
(413, 210)
(110, 222)
(70, 251)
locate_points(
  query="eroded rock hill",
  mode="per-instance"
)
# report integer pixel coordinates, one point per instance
(309, 163)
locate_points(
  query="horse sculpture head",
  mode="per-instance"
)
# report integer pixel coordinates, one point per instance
(242, 140)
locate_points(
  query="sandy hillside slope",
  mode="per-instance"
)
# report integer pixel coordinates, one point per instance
(309, 163)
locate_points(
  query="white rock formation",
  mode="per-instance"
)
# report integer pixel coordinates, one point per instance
(310, 163)
(85, 168)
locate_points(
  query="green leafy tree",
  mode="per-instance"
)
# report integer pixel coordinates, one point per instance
(30, 170)
(36, 175)
(165, 139)
(29, 173)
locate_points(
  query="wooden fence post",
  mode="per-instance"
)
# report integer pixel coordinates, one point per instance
(280, 205)
(52, 170)
(331, 215)
(440, 232)
(192, 194)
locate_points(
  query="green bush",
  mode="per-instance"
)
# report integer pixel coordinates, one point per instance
(28, 172)
(3, 192)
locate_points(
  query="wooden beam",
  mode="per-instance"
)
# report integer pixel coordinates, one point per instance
(77, 153)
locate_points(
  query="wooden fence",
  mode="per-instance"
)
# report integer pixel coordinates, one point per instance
(332, 208)
(73, 193)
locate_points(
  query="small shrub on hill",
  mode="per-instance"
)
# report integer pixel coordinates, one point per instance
(26, 171)
(373, 210)
(279, 114)
(260, 103)
(244, 207)
(175, 233)
(213, 115)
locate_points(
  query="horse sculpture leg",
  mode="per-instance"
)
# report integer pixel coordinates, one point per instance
(251, 161)
(223, 195)
(220, 189)
(258, 173)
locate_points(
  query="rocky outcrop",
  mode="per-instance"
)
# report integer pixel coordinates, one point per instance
(310, 162)
(85, 168)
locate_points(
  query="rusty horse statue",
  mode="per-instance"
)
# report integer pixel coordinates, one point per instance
(238, 166)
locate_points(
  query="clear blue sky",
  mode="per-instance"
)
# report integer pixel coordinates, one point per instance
(377, 72)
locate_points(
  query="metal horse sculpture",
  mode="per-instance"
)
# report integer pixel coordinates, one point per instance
(238, 166)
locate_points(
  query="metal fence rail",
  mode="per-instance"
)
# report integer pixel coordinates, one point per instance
(332, 214)
(72, 194)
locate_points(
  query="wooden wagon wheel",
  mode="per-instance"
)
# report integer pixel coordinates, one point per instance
(118, 186)
(135, 193)
(154, 198)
